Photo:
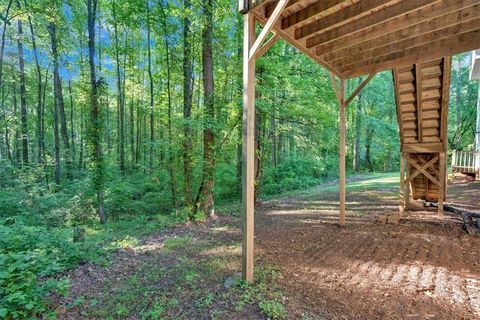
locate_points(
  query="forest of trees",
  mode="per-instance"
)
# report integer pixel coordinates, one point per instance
(122, 101)
(119, 118)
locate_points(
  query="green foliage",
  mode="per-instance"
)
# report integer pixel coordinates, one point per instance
(273, 309)
(29, 257)
(297, 173)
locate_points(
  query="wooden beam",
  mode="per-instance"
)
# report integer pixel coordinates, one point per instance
(441, 177)
(406, 192)
(268, 27)
(426, 147)
(402, 184)
(269, 8)
(270, 42)
(426, 52)
(350, 13)
(397, 16)
(421, 170)
(335, 86)
(343, 132)
(250, 5)
(359, 88)
(403, 31)
(396, 87)
(418, 100)
(388, 46)
(432, 167)
(248, 149)
(289, 38)
(313, 11)
(446, 72)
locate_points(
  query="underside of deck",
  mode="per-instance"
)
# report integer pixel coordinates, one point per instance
(351, 38)
(355, 37)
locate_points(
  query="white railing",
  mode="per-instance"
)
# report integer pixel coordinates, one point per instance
(466, 161)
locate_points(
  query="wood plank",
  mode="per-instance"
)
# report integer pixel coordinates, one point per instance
(410, 116)
(422, 147)
(427, 115)
(267, 27)
(431, 72)
(418, 100)
(349, 13)
(409, 125)
(315, 10)
(289, 38)
(270, 42)
(406, 43)
(431, 124)
(422, 168)
(437, 48)
(409, 133)
(378, 23)
(398, 104)
(431, 83)
(405, 77)
(406, 88)
(343, 132)
(248, 149)
(359, 88)
(407, 97)
(431, 139)
(441, 178)
(408, 107)
(445, 99)
(431, 94)
(269, 8)
(423, 28)
(431, 105)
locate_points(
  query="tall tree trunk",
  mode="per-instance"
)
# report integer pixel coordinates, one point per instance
(96, 127)
(368, 144)
(121, 102)
(58, 97)
(208, 183)
(187, 104)
(38, 71)
(16, 137)
(173, 182)
(273, 137)
(72, 128)
(151, 84)
(23, 92)
(4, 29)
(358, 131)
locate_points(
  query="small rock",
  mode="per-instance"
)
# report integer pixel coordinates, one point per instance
(230, 281)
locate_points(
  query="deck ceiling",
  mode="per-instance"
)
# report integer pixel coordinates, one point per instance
(356, 37)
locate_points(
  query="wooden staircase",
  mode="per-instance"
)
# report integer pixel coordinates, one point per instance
(422, 92)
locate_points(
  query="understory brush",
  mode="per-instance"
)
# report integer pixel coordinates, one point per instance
(38, 227)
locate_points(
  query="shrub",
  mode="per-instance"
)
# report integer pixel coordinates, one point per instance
(273, 309)
(29, 257)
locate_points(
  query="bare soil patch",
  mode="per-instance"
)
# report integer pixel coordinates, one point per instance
(425, 267)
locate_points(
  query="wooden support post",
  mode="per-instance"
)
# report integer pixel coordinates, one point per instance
(343, 131)
(454, 160)
(248, 149)
(442, 179)
(406, 187)
(402, 183)
(342, 124)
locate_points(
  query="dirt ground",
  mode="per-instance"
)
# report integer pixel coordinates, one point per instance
(425, 267)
